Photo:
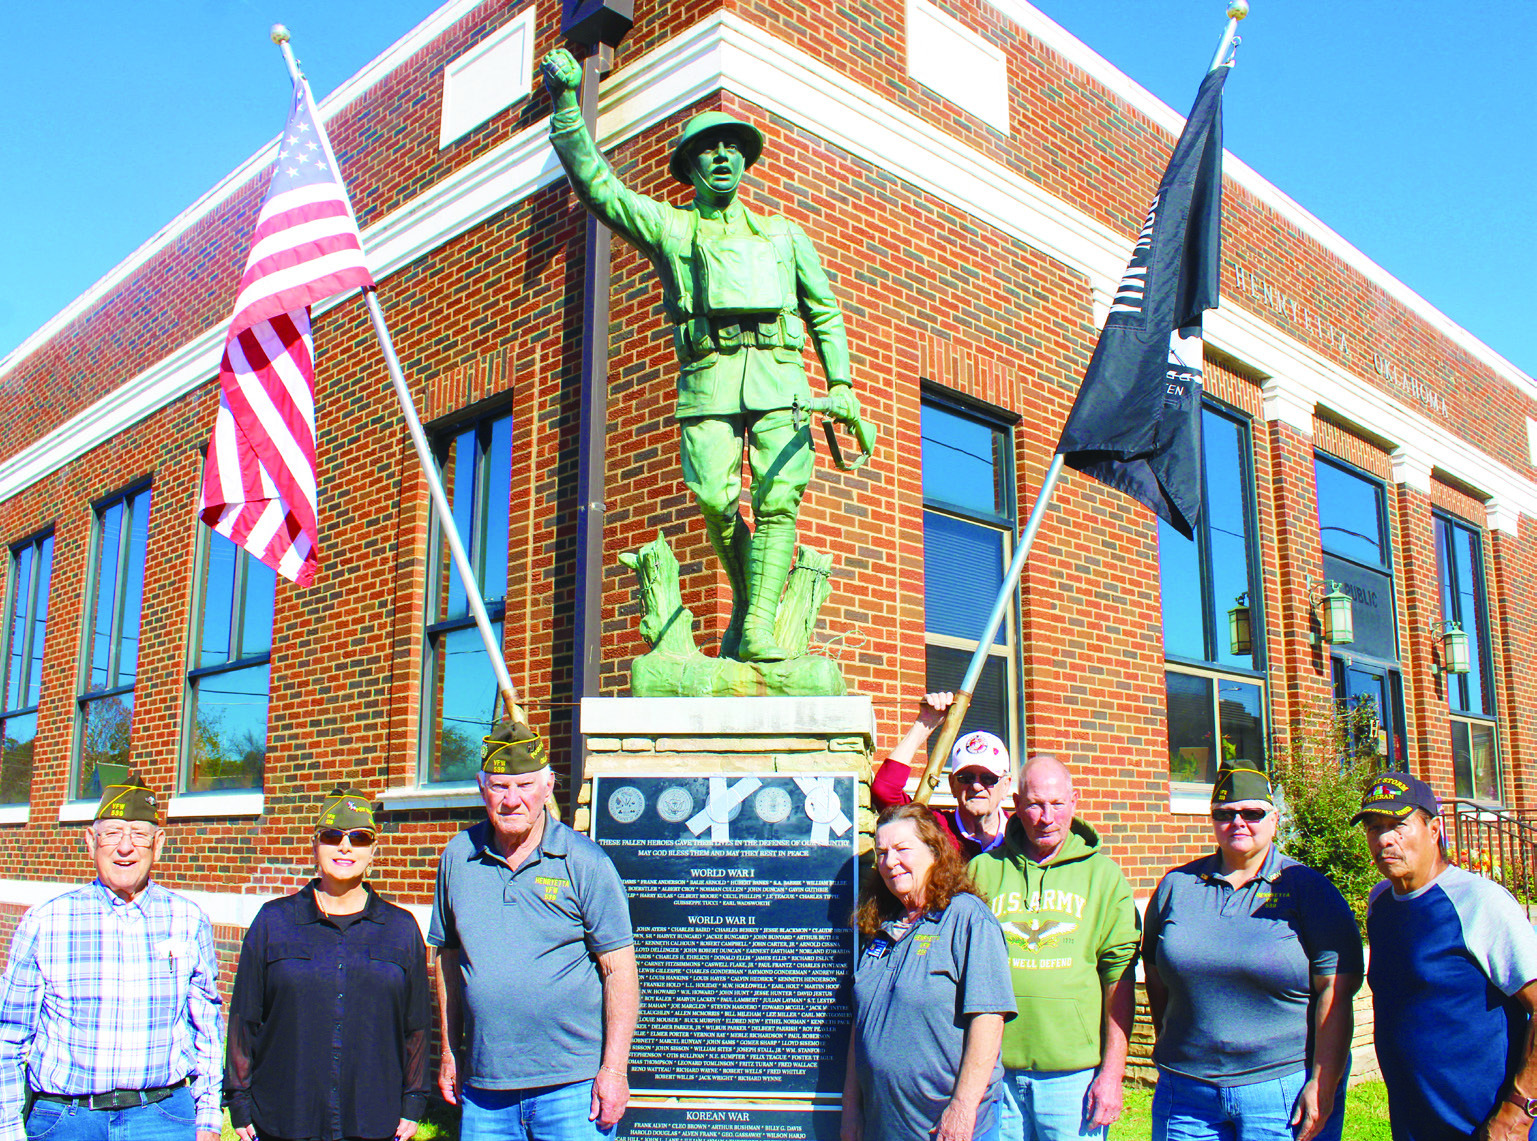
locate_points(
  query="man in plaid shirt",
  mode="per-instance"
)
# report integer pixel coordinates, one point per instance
(109, 1016)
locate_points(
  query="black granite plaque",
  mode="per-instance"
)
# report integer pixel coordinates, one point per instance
(683, 1123)
(740, 891)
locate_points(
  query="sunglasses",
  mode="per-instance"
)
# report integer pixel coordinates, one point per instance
(358, 837)
(978, 776)
(1228, 815)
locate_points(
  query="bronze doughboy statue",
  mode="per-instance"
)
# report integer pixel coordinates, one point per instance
(743, 293)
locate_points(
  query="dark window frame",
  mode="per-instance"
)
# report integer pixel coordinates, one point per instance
(1461, 715)
(1011, 652)
(197, 674)
(37, 544)
(84, 695)
(1214, 611)
(434, 627)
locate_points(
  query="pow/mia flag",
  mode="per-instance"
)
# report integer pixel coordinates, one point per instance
(1136, 424)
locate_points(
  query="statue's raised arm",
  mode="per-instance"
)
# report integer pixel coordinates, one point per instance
(743, 293)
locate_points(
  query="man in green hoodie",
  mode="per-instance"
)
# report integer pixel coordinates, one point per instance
(1072, 932)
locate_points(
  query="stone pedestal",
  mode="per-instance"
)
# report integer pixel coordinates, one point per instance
(735, 824)
(703, 735)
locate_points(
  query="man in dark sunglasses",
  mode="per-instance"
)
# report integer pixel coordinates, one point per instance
(979, 780)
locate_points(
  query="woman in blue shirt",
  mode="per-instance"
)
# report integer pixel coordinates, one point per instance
(1252, 960)
(931, 993)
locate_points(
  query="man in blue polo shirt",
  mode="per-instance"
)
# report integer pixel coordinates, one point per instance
(1454, 979)
(537, 989)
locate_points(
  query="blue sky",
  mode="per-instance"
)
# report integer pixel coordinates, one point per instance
(1406, 127)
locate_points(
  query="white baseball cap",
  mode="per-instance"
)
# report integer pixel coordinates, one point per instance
(979, 750)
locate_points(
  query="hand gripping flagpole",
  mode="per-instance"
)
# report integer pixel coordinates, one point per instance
(956, 714)
(280, 36)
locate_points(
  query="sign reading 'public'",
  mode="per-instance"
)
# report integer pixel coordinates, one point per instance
(741, 888)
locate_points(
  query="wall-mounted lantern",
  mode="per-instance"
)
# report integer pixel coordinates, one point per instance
(1240, 633)
(1456, 654)
(1336, 616)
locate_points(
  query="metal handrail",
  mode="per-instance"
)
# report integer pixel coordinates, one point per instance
(1493, 841)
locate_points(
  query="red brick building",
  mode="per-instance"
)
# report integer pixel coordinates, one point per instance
(974, 178)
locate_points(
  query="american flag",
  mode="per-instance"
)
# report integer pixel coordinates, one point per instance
(259, 483)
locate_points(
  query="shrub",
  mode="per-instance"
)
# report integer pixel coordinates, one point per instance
(1321, 776)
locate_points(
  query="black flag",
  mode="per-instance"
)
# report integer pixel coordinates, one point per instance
(1136, 424)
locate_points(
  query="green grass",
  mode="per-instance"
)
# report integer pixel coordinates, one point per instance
(1366, 1114)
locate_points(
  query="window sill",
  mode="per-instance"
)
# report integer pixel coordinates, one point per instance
(14, 813)
(232, 802)
(460, 794)
(1187, 799)
(77, 811)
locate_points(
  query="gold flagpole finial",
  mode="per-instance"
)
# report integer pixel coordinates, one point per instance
(280, 34)
(1237, 9)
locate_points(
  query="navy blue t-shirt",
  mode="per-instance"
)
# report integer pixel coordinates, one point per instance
(1444, 962)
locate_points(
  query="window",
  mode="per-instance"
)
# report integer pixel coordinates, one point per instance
(26, 622)
(1214, 685)
(460, 694)
(1357, 554)
(228, 676)
(1469, 696)
(968, 538)
(104, 721)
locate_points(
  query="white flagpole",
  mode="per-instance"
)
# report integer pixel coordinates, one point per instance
(445, 514)
(956, 714)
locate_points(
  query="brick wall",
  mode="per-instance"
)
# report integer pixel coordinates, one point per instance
(490, 319)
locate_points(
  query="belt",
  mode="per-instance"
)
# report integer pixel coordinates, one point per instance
(115, 1099)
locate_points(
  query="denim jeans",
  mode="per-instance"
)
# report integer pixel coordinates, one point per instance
(548, 1113)
(1046, 1105)
(1185, 1109)
(173, 1119)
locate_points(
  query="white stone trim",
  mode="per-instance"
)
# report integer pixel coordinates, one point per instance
(1129, 91)
(483, 82)
(726, 52)
(77, 811)
(15, 813)
(1188, 800)
(1286, 403)
(455, 795)
(958, 65)
(1410, 469)
(1502, 517)
(192, 805)
(722, 716)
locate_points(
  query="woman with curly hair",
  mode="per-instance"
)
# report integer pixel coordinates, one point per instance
(931, 993)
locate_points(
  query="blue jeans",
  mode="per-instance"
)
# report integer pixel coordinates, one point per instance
(547, 1113)
(173, 1119)
(1046, 1105)
(1185, 1109)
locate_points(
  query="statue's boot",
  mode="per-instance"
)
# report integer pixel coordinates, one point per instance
(732, 542)
(767, 569)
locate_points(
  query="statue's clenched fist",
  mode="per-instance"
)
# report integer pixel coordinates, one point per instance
(561, 72)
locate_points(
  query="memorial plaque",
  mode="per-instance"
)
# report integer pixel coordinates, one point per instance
(741, 889)
(686, 1123)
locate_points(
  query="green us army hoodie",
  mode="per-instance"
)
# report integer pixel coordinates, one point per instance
(1071, 928)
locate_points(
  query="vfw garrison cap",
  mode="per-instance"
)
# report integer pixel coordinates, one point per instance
(1240, 782)
(511, 749)
(127, 798)
(346, 807)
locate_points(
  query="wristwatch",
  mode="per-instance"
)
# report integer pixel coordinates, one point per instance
(1528, 1105)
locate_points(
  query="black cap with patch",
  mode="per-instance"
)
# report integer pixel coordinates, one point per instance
(1397, 794)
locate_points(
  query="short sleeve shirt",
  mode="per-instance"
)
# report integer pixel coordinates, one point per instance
(914, 995)
(1237, 964)
(528, 942)
(1446, 960)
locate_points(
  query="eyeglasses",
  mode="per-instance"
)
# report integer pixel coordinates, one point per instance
(358, 837)
(978, 776)
(114, 836)
(1228, 815)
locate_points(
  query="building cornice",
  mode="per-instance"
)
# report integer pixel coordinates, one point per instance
(724, 52)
